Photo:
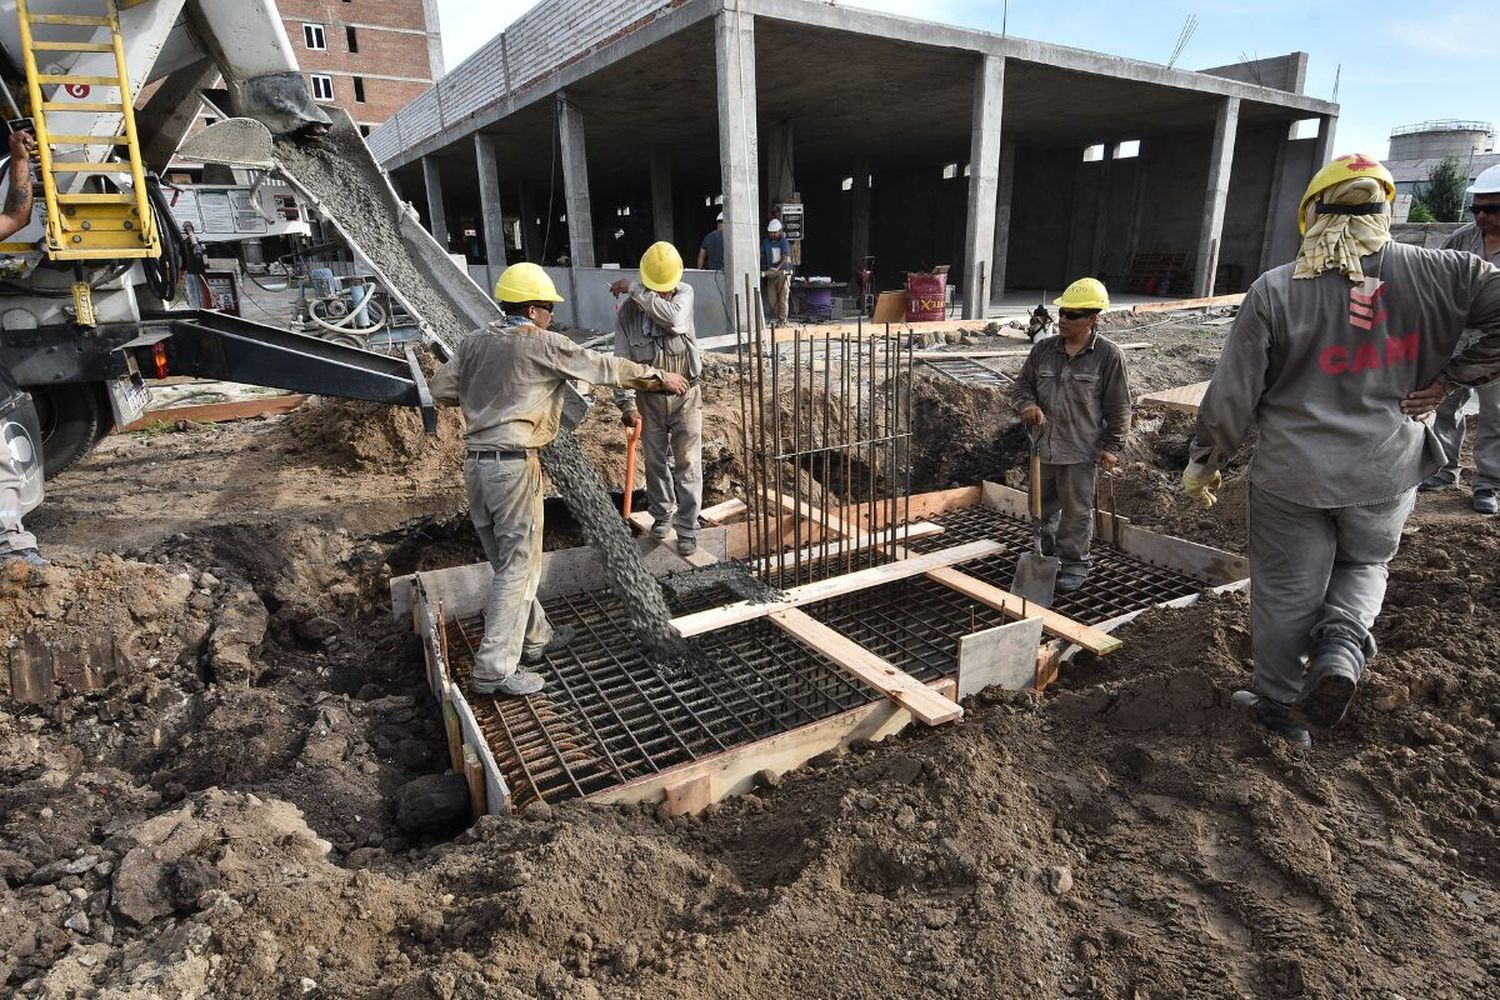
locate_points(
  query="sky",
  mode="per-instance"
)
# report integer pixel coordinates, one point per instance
(1395, 63)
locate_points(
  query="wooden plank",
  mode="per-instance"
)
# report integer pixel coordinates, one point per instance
(1134, 345)
(896, 684)
(810, 593)
(474, 774)
(1062, 626)
(1186, 398)
(921, 529)
(721, 512)
(455, 736)
(1173, 305)
(734, 771)
(239, 409)
(692, 795)
(922, 505)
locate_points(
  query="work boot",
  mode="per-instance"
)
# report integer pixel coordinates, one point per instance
(686, 545)
(1272, 715)
(660, 530)
(1070, 580)
(30, 557)
(1436, 481)
(1333, 674)
(561, 636)
(1484, 502)
(520, 683)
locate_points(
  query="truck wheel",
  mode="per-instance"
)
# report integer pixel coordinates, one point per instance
(73, 418)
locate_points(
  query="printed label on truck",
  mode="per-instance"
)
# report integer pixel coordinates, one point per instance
(128, 399)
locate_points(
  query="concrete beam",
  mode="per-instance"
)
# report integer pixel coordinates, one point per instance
(661, 194)
(575, 166)
(739, 159)
(1001, 253)
(1220, 165)
(491, 214)
(984, 184)
(437, 215)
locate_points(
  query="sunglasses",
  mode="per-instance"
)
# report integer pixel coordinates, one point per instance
(544, 305)
(1074, 313)
(1482, 209)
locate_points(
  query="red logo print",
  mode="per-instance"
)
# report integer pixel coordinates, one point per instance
(1364, 307)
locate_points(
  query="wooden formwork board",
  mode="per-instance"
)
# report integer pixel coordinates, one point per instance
(698, 783)
(1185, 398)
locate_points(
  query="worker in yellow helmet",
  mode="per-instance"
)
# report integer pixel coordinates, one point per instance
(654, 325)
(1332, 357)
(509, 378)
(1073, 395)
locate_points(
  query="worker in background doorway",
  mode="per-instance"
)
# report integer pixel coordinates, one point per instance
(15, 541)
(1073, 395)
(654, 325)
(1333, 357)
(775, 271)
(509, 378)
(711, 252)
(1481, 238)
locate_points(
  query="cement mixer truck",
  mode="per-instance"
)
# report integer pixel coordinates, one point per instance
(90, 310)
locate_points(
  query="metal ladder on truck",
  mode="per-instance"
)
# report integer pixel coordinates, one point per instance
(84, 225)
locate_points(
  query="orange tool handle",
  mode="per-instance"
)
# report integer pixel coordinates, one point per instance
(632, 438)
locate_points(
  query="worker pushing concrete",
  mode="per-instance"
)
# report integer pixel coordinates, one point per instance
(1481, 238)
(1073, 395)
(15, 541)
(509, 379)
(1333, 357)
(654, 326)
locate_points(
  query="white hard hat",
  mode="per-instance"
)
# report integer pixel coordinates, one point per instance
(720, 218)
(774, 226)
(1488, 181)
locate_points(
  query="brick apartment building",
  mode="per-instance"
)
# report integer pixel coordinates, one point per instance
(369, 57)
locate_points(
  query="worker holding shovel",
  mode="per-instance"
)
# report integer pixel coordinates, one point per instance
(654, 326)
(1073, 395)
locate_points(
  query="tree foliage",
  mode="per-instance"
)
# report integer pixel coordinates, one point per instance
(1443, 195)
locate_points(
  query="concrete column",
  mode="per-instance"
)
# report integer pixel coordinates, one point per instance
(984, 184)
(859, 217)
(739, 162)
(437, 216)
(661, 194)
(491, 216)
(1274, 213)
(1002, 222)
(576, 182)
(1328, 126)
(781, 182)
(1220, 165)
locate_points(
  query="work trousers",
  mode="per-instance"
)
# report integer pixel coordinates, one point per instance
(13, 535)
(673, 440)
(775, 289)
(505, 504)
(1316, 574)
(1068, 513)
(1449, 425)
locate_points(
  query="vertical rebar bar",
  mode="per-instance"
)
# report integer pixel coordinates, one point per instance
(741, 359)
(795, 450)
(827, 406)
(760, 433)
(910, 397)
(847, 370)
(775, 445)
(872, 453)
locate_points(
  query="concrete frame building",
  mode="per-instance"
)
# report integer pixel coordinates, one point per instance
(1020, 164)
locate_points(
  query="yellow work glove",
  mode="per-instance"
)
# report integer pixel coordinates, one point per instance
(1200, 482)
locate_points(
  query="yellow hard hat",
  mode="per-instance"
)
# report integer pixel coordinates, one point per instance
(1085, 293)
(1342, 169)
(661, 267)
(526, 283)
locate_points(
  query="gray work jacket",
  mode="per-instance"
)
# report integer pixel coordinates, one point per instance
(508, 378)
(654, 330)
(1470, 239)
(1085, 398)
(1322, 367)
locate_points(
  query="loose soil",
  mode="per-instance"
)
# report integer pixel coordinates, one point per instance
(217, 819)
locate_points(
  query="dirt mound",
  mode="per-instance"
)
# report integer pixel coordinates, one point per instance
(353, 435)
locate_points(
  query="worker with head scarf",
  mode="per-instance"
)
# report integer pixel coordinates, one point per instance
(1334, 357)
(654, 326)
(1073, 395)
(1482, 238)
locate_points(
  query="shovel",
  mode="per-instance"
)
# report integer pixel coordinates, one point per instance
(631, 440)
(1036, 574)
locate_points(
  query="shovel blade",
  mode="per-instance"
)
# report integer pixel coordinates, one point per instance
(1036, 578)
